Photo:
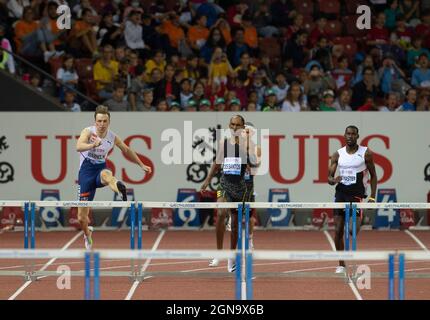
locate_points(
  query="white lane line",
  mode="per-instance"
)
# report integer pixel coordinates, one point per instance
(350, 282)
(418, 241)
(26, 284)
(145, 266)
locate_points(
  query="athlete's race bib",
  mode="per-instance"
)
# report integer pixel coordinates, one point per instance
(232, 166)
(349, 176)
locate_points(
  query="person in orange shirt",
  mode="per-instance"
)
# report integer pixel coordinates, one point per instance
(198, 34)
(83, 38)
(251, 37)
(172, 28)
(25, 34)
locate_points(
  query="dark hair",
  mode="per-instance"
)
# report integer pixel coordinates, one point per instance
(351, 127)
(368, 69)
(101, 109)
(221, 43)
(85, 11)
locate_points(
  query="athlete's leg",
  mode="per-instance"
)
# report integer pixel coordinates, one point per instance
(339, 224)
(108, 179)
(220, 225)
(234, 228)
(84, 220)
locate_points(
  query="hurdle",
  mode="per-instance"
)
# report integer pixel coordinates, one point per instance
(243, 255)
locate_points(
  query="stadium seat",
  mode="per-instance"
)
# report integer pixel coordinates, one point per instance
(271, 47)
(308, 23)
(305, 7)
(334, 28)
(349, 46)
(351, 6)
(84, 68)
(91, 89)
(330, 7)
(98, 5)
(55, 64)
(351, 27)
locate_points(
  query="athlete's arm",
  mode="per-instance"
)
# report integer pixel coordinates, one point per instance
(332, 170)
(373, 178)
(83, 145)
(131, 154)
(216, 166)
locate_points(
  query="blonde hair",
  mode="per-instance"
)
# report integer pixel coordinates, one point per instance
(101, 109)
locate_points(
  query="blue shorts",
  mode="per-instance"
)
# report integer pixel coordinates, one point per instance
(89, 179)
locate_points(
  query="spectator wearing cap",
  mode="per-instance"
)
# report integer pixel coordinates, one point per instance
(70, 103)
(219, 104)
(105, 71)
(294, 100)
(296, 49)
(174, 106)
(205, 105)
(317, 82)
(365, 87)
(343, 101)
(328, 101)
(215, 39)
(147, 100)
(237, 47)
(410, 101)
(198, 33)
(235, 105)
(270, 101)
(118, 102)
(137, 85)
(421, 75)
(192, 105)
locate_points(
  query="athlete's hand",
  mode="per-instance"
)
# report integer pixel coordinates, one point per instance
(97, 143)
(335, 180)
(147, 169)
(204, 187)
(371, 200)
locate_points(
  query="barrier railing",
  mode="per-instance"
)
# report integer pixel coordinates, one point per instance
(244, 257)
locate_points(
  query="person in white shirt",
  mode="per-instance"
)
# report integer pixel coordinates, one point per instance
(294, 101)
(392, 102)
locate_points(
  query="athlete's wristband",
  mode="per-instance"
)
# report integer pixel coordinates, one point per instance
(370, 198)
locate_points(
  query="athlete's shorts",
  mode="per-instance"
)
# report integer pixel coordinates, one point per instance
(232, 192)
(344, 197)
(89, 179)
